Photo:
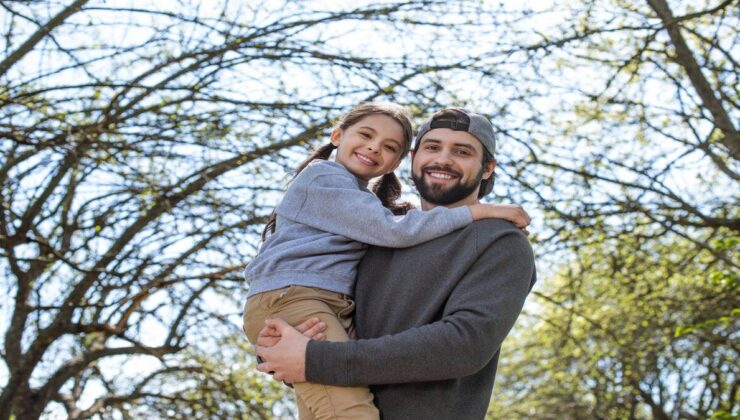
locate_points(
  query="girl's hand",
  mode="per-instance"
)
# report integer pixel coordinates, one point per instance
(511, 212)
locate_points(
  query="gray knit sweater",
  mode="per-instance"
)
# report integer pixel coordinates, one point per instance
(324, 223)
(430, 321)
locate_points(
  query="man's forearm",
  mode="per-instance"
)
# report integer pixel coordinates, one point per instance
(431, 352)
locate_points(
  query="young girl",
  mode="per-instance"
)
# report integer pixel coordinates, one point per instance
(320, 230)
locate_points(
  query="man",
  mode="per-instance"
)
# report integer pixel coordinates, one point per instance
(429, 319)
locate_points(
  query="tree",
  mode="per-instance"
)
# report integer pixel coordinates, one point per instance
(141, 148)
(603, 341)
(143, 145)
(218, 384)
(612, 111)
(627, 111)
(625, 115)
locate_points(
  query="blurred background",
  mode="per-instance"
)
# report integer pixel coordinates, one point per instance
(143, 143)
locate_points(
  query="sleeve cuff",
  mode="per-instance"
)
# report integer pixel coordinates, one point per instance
(463, 214)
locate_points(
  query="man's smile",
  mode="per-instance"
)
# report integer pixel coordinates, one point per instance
(441, 174)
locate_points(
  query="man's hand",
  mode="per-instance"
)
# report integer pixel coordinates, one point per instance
(286, 356)
(312, 328)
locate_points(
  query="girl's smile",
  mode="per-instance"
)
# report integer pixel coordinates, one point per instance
(365, 159)
(371, 147)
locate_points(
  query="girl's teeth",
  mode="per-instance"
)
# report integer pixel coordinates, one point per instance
(364, 159)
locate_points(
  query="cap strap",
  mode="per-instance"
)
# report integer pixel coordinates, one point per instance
(451, 124)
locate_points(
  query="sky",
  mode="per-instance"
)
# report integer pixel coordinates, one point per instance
(357, 34)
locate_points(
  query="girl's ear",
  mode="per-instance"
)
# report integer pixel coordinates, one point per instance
(398, 163)
(336, 136)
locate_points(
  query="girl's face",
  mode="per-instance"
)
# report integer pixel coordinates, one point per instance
(371, 147)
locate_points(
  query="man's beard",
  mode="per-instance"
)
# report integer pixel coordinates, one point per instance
(441, 195)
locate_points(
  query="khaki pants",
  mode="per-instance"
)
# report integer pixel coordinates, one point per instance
(295, 304)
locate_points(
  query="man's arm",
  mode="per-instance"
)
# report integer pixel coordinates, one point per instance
(479, 314)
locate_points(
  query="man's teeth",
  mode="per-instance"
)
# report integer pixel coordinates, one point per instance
(439, 176)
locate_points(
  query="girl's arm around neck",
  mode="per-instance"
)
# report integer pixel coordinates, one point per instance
(328, 198)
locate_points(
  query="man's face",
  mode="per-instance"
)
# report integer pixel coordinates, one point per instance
(447, 167)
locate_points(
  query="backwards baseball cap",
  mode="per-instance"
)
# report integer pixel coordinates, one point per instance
(460, 119)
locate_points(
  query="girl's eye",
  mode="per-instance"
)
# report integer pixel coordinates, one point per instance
(365, 135)
(390, 149)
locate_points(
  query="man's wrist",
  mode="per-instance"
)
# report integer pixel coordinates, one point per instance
(320, 362)
(307, 362)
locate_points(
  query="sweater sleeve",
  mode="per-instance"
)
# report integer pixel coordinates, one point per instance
(479, 314)
(329, 198)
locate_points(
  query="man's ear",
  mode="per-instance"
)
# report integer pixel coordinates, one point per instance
(488, 170)
(336, 136)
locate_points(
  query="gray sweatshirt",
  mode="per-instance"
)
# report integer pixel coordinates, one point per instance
(430, 321)
(324, 224)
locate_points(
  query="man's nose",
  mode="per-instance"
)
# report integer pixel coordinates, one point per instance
(444, 157)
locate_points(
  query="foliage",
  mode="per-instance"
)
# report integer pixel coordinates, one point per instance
(642, 134)
(636, 166)
(603, 342)
(143, 146)
(218, 385)
(144, 143)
